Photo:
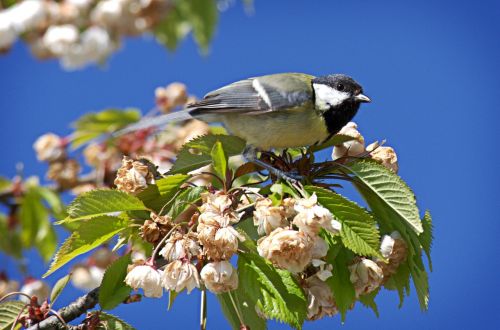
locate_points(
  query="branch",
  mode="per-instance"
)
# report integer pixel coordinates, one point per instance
(70, 312)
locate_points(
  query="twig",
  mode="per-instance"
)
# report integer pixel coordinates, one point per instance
(203, 310)
(70, 312)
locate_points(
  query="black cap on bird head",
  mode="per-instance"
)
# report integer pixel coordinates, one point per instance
(338, 98)
(343, 84)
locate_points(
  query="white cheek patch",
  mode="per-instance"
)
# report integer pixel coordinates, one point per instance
(327, 97)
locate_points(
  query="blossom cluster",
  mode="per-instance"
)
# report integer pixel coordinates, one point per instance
(193, 257)
(292, 242)
(355, 147)
(78, 32)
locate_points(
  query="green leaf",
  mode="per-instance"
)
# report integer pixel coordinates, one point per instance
(427, 236)
(101, 202)
(92, 125)
(58, 288)
(171, 298)
(88, 236)
(32, 214)
(196, 153)
(333, 141)
(400, 281)
(368, 300)
(219, 159)
(390, 220)
(172, 29)
(11, 239)
(246, 309)
(161, 194)
(184, 200)
(359, 232)
(112, 322)
(276, 292)
(113, 290)
(54, 201)
(202, 16)
(386, 186)
(4, 183)
(339, 282)
(8, 313)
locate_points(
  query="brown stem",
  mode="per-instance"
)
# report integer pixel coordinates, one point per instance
(70, 312)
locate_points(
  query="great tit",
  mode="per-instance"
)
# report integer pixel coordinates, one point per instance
(275, 111)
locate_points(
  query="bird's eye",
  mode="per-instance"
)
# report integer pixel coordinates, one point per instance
(340, 87)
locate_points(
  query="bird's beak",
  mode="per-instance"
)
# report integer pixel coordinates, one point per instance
(362, 98)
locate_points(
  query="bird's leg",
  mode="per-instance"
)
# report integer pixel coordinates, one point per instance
(250, 154)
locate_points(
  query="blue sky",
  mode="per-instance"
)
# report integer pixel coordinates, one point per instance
(432, 71)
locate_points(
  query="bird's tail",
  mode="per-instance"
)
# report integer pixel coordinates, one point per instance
(156, 122)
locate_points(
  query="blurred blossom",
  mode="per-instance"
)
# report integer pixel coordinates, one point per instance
(87, 278)
(59, 39)
(49, 148)
(34, 287)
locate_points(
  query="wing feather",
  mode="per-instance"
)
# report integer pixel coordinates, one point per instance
(269, 93)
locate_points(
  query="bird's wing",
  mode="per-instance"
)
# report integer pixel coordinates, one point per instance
(257, 95)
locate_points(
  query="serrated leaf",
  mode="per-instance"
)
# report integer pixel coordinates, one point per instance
(340, 282)
(275, 291)
(400, 281)
(390, 220)
(427, 236)
(188, 196)
(8, 313)
(113, 322)
(92, 125)
(102, 202)
(196, 153)
(91, 234)
(390, 189)
(368, 300)
(359, 232)
(113, 290)
(219, 159)
(333, 141)
(246, 309)
(58, 288)
(160, 196)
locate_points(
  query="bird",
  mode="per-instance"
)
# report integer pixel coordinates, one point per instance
(283, 110)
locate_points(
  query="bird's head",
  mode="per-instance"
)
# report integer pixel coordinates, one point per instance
(337, 91)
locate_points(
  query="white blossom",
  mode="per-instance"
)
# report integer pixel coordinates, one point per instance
(311, 217)
(49, 147)
(87, 278)
(60, 38)
(268, 217)
(287, 249)
(147, 278)
(350, 148)
(179, 275)
(180, 246)
(26, 15)
(219, 276)
(366, 276)
(8, 34)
